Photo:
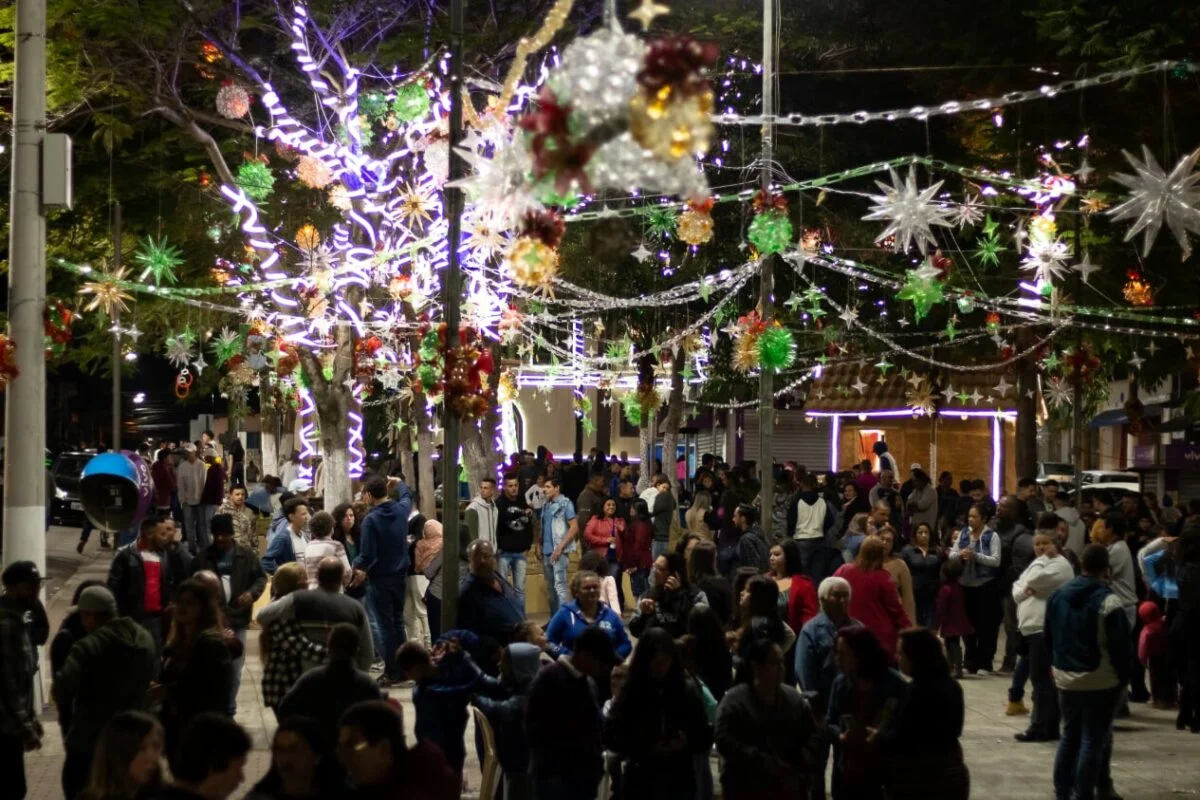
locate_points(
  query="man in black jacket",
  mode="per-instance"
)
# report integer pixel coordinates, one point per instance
(752, 548)
(243, 581)
(1016, 553)
(142, 576)
(324, 692)
(514, 534)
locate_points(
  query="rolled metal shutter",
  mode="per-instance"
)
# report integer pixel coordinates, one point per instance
(806, 443)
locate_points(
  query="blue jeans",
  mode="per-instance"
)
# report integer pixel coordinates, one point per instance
(727, 560)
(1016, 690)
(556, 580)
(512, 569)
(658, 548)
(1087, 719)
(638, 583)
(236, 666)
(385, 602)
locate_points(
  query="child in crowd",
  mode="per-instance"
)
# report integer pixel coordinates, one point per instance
(446, 678)
(951, 613)
(1152, 653)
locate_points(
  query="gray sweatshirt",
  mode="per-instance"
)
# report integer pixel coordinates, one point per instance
(1124, 583)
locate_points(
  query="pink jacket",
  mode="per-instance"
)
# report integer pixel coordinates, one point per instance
(599, 530)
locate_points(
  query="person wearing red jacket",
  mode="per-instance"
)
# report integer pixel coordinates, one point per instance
(634, 548)
(950, 613)
(603, 531)
(874, 600)
(788, 572)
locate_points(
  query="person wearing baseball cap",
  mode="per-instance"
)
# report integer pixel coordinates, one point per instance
(20, 731)
(107, 672)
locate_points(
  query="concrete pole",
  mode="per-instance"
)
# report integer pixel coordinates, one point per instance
(453, 280)
(25, 411)
(766, 380)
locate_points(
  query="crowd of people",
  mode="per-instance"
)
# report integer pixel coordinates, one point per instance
(825, 635)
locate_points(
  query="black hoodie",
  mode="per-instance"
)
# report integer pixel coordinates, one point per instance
(514, 528)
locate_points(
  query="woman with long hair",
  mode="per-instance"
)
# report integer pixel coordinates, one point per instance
(924, 562)
(658, 722)
(197, 673)
(714, 663)
(761, 618)
(797, 595)
(670, 599)
(874, 600)
(604, 530)
(741, 576)
(899, 571)
(346, 525)
(702, 572)
(700, 517)
(127, 764)
(635, 549)
(979, 548)
(921, 740)
(865, 695)
(303, 765)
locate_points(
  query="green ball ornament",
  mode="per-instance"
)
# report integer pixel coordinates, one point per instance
(373, 105)
(776, 348)
(771, 232)
(411, 103)
(966, 305)
(632, 409)
(428, 376)
(256, 180)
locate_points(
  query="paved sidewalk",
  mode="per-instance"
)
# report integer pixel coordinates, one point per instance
(1152, 761)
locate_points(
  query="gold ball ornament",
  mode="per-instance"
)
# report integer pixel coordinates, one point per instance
(533, 265)
(308, 238)
(314, 173)
(695, 227)
(670, 126)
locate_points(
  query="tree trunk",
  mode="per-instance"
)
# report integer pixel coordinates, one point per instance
(1026, 439)
(403, 444)
(426, 446)
(334, 403)
(646, 439)
(674, 419)
(268, 414)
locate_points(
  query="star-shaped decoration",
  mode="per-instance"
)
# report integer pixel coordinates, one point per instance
(133, 333)
(849, 316)
(883, 365)
(793, 303)
(910, 212)
(739, 431)
(389, 380)
(1152, 348)
(647, 12)
(948, 393)
(858, 385)
(1085, 268)
(705, 290)
(199, 363)
(607, 402)
(1052, 362)
(1084, 171)
(962, 397)
(969, 212)
(1157, 196)
(414, 204)
(951, 331)
(819, 394)
(976, 397)
(1137, 361)
(881, 380)
(1058, 392)
(159, 260)
(1002, 387)
(923, 289)
(400, 425)
(988, 249)
(903, 322)
(642, 254)
(913, 379)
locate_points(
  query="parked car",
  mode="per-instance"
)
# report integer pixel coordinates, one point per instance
(67, 506)
(1062, 473)
(1090, 476)
(1110, 492)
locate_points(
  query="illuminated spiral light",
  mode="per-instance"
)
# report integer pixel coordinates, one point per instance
(308, 432)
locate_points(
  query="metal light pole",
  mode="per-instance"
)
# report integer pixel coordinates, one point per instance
(453, 280)
(25, 411)
(766, 380)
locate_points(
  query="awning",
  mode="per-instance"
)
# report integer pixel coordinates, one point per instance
(1117, 417)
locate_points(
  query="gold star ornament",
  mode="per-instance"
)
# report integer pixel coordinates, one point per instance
(107, 293)
(647, 12)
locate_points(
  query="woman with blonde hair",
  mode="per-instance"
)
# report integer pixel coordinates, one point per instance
(874, 599)
(416, 613)
(898, 569)
(700, 516)
(128, 759)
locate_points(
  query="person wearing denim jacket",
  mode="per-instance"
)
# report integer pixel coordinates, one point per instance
(559, 531)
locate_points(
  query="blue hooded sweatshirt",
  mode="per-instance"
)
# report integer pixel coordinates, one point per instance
(383, 546)
(568, 623)
(1088, 636)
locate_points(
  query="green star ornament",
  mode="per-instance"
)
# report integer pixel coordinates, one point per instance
(158, 260)
(923, 289)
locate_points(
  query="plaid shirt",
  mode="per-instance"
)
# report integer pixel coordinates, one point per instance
(288, 650)
(244, 532)
(16, 673)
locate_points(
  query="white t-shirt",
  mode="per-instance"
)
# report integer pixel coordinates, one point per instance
(535, 498)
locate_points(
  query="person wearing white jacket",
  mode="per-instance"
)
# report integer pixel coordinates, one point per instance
(1043, 577)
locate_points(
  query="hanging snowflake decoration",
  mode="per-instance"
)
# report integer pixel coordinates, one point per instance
(233, 102)
(226, 345)
(1157, 197)
(313, 172)
(179, 350)
(1046, 255)
(158, 260)
(256, 180)
(923, 289)
(911, 212)
(920, 399)
(988, 247)
(416, 203)
(1058, 392)
(969, 212)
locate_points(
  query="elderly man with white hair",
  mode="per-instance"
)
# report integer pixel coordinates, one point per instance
(816, 655)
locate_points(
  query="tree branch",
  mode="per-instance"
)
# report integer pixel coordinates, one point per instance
(189, 125)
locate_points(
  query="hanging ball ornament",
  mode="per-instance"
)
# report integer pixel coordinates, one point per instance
(671, 114)
(696, 223)
(412, 102)
(313, 172)
(776, 348)
(233, 102)
(598, 74)
(308, 238)
(533, 265)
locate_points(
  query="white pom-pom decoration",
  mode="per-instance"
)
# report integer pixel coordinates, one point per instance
(232, 101)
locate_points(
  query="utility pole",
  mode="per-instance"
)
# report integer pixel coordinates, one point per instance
(453, 280)
(116, 319)
(766, 380)
(25, 411)
(1077, 372)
